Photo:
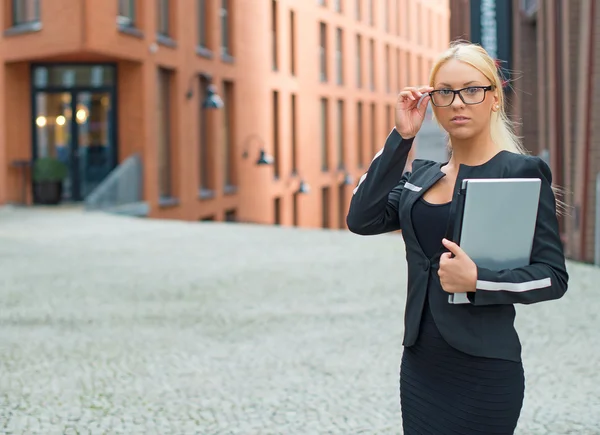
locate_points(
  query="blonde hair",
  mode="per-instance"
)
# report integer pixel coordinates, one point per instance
(501, 128)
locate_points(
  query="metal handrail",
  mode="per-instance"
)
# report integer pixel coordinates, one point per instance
(122, 186)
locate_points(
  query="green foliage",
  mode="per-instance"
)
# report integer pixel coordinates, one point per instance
(49, 169)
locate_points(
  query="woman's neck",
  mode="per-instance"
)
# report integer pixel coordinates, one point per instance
(473, 151)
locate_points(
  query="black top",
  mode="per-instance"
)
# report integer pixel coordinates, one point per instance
(383, 201)
(430, 225)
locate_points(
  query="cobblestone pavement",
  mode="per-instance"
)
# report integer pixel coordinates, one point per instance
(112, 325)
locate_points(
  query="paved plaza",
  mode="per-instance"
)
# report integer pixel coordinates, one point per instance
(116, 325)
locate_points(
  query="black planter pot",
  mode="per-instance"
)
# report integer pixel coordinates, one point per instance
(47, 192)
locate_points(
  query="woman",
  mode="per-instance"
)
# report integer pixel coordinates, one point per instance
(461, 370)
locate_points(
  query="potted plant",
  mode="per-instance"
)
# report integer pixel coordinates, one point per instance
(48, 176)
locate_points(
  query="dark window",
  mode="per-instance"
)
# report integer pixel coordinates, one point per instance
(342, 206)
(274, 34)
(323, 52)
(294, 138)
(293, 43)
(359, 134)
(228, 129)
(324, 134)
(202, 21)
(340, 134)
(339, 65)
(372, 64)
(325, 207)
(295, 208)
(163, 18)
(206, 176)
(277, 211)
(25, 11)
(127, 13)
(230, 215)
(276, 144)
(373, 142)
(358, 61)
(387, 69)
(164, 133)
(225, 28)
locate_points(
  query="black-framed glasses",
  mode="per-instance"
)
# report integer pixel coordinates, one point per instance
(468, 95)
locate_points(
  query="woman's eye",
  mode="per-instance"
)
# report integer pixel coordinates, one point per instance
(472, 90)
(445, 92)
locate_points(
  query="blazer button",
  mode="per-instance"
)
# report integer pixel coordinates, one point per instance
(426, 265)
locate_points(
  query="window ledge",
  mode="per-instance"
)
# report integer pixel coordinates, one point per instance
(19, 29)
(230, 190)
(204, 52)
(204, 193)
(130, 30)
(168, 201)
(165, 40)
(225, 57)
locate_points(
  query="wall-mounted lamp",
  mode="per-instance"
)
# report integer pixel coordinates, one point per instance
(303, 187)
(348, 180)
(212, 100)
(263, 157)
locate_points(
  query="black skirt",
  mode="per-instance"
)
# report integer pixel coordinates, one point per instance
(445, 391)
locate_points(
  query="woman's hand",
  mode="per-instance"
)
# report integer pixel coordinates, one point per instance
(409, 117)
(457, 274)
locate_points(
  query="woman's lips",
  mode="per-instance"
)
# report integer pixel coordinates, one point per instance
(459, 120)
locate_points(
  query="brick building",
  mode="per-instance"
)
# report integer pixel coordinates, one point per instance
(119, 90)
(555, 58)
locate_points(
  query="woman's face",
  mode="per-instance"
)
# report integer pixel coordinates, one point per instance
(461, 120)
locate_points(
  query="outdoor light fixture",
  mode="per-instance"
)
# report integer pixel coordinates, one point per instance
(263, 157)
(348, 179)
(212, 100)
(303, 188)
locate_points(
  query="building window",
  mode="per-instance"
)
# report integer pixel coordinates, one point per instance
(293, 43)
(358, 9)
(164, 134)
(230, 178)
(325, 207)
(387, 69)
(324, 134)
(274, 34)
(388, 114)
(202, 21)
(372, 65)
(295, 209)
(342, 206)
(231, 215)
(25, 12)
(373, 135)
(358, 61)
(276, 144)
(338, 5)
(163, 18)
(386, 15)
(359, 134)
(340, 134)
(339, 65)
(225, 29)
(321, 2)
(277, 211)
(371, 12)
(126, 13)
(294, 138)
(399, 73)
(323, 52)
(206, 175)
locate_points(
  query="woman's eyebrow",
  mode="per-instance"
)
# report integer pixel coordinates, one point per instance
(465, 84)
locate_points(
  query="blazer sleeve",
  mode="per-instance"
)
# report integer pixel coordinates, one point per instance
(374, 205)
(546, 277)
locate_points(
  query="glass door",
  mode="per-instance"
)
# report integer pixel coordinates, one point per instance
(53, 132)
(94, 145)
(74, 121)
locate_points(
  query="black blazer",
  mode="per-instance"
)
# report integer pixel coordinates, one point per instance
(383, 201)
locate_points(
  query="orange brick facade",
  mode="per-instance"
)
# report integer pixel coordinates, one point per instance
(277, 96)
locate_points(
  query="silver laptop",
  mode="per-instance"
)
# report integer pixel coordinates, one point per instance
(497, 222)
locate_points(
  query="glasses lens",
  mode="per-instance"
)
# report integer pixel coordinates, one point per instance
(472, 95)
(442, 98)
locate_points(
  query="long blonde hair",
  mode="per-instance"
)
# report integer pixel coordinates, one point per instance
(501, 128)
